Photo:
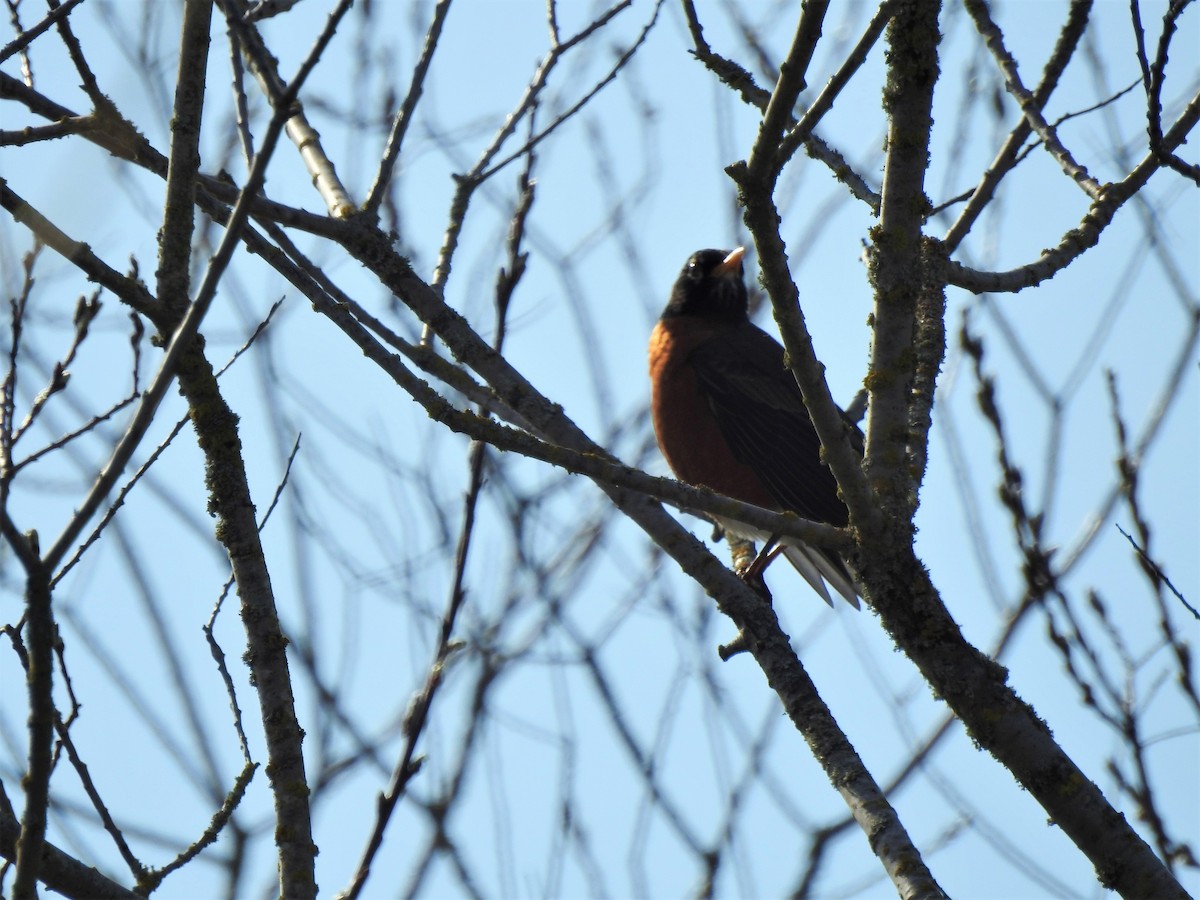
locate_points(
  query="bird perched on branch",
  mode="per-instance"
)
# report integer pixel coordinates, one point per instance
(729, 415)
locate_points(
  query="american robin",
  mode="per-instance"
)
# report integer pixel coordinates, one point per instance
(729, 415)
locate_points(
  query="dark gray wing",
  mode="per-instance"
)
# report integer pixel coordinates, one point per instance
(762, 416)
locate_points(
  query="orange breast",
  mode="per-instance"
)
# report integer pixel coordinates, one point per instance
(687, 431)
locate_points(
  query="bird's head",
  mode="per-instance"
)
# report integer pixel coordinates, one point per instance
(711, 285)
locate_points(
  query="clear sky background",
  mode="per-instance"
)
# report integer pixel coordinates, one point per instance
(366, 596)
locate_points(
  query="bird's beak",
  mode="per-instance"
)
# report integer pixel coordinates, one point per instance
(732, 263)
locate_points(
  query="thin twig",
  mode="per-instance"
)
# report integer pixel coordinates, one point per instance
(1157, 570)
(800, 132)
(404, 116)
(29, 35)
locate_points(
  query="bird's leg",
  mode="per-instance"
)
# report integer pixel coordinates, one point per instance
(749, 567)
(753, 573)
(741, 553)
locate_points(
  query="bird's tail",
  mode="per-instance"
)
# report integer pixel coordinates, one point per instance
(817, 568)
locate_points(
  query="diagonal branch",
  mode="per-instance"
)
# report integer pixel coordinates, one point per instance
(404, 116)
(284, 99)
(1010, 152)
(792, 80)
(1153, 77)
(745, 607)
(800, 132)
(1031, 105)
(1084, 236)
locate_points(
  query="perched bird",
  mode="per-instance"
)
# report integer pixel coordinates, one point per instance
(729, 415)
